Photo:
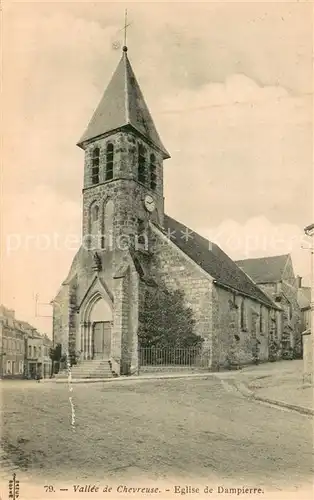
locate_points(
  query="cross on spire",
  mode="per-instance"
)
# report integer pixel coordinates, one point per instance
(126, 25)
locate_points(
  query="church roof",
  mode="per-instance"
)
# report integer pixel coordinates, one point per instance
(123, 105)
(265, 269)
(214, 261)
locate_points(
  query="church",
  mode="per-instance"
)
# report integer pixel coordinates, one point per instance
(130, 245)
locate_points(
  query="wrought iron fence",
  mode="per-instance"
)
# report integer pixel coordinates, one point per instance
(173, 357)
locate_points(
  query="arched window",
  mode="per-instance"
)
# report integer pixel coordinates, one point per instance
(109, 161)
(95, 166)
(141, 174)
(261, 319)
(242, 315)
(95, 213)
(153, 176)
(107, 237)
(94, 226)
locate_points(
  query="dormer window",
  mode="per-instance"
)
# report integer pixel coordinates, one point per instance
(153, 176)
(95, 166)
(109, 161)
(141, 174)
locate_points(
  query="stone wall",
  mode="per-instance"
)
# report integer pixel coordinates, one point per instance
(124, 189)
(308, 368)
(286, 296)
(61, 319)
(65, 318)
(73, 318)
(125, 322)
(172, 268)
(237, 342)
(120, 324)
(305, 319)
(294, 320)
(133, 297)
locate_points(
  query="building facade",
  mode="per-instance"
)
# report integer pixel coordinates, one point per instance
(12, 337)
(304, 301)
(24, 351)
(46, 360)
(38, 362)
(130, 246)
(275, 275)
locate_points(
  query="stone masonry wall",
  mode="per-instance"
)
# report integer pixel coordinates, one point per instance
(73, 321)
(124, 189)
(61, 318)
(133, 298)
(124, 309)
(236, 343)
(294, 322)
(171, 267)
(290, 321)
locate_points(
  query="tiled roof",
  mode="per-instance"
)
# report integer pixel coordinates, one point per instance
(214, 261)
(122, 105)
(264, 269)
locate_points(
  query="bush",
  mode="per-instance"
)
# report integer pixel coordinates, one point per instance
(288, 354)
(273, 352)
(165, 320)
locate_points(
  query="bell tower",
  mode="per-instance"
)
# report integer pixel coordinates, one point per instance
(123, 170)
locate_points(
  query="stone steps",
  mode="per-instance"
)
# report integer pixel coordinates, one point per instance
(88, 369)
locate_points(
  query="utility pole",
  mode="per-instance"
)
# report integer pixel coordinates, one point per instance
(37, 303)
(308, 342)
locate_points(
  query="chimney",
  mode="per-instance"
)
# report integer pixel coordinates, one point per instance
(299, 281)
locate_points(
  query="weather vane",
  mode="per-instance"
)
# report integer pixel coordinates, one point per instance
(126, 25)
(117, 44)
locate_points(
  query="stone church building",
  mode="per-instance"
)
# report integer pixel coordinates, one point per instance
(129, 244)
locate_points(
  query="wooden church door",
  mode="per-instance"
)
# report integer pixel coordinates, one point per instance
(101, 339)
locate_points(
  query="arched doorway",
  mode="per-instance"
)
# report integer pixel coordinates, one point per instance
(101, 320)
(97, 329)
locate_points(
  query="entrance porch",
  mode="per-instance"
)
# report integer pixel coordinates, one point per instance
(96, 330)
(96, 340)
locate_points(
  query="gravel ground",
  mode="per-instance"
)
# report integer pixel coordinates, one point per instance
(281, 381)
(162, 429)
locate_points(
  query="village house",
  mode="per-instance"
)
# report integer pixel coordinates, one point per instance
(37, 360)
(12, 339)
(275, 275)
(24, 351)
(46, 360)
(130, 246)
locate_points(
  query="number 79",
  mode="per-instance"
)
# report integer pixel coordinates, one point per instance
(49, 488)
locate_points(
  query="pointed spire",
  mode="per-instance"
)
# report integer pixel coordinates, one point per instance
(123, 105)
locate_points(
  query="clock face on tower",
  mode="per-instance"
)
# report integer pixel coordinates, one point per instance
(149, 203)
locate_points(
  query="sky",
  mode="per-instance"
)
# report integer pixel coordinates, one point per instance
(229, 85)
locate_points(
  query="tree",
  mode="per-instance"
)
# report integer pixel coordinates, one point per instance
(165, 320)
(55, 356)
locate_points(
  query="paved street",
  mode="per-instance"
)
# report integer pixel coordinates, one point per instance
(197, 430)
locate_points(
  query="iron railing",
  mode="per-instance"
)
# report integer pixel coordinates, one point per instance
(173, 357)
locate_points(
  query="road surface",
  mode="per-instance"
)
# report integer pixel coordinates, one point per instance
(186, 432)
